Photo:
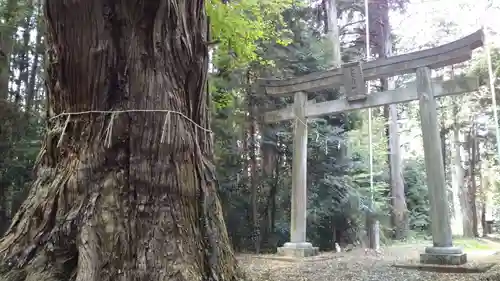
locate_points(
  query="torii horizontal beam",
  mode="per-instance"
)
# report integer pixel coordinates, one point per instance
(442, 88)
(448, 54)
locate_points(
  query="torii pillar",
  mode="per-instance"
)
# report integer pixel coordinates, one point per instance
(298, 246)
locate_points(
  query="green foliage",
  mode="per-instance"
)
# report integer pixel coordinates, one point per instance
(19, 147)
(338, 186)
(480, 67)
(327, 178)
(417, 194)
(374, 197)
(240, 25)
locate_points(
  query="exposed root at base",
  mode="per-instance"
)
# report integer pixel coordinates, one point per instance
(39, 270)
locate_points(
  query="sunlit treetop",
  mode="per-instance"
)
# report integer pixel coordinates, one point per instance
(238, 26)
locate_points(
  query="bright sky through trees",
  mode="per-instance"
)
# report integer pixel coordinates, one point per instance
(422, 16)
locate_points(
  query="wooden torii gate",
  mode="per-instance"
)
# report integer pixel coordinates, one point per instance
(352, 77)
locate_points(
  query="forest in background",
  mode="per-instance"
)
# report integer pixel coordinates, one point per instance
(253, 161)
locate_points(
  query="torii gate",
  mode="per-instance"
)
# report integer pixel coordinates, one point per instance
(352, 77)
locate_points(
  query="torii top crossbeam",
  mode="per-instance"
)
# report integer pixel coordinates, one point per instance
(447, 54)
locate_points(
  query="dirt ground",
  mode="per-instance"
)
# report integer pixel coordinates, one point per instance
(367, 266)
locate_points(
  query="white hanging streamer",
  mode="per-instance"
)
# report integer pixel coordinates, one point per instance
(326, 145)
(181, 128)
(166, 128)
(63, 131)
(196, 133)
(132, 110)
(109, 130)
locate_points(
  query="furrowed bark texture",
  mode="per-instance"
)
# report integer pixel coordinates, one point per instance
(136, 208)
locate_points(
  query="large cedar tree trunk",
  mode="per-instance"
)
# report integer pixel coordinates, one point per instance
(137, 209)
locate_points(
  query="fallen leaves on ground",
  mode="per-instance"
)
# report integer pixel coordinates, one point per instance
(356, 265)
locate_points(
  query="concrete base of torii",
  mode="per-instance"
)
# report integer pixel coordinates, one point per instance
(443, 256)
(298, 250)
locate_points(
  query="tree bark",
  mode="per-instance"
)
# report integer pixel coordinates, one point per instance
(254, 182)
(333, 35)
(484, 186)
(6, 45)
(466, 204)
(399, 214)
(22, 63)
(457, 177)
(139, 206)
(399, 209)
(472, 189)
(31, 85)
(442, 133)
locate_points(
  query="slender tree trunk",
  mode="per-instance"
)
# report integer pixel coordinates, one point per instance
(443, 132)
(6, 45)
(254, 183)
(40, 89)
(333, 31)
(457, 177)
(489, 193)
(473, 194)
(274, 192)
(483, 195)
(334, 37)
(22, 63)
(31, 86)
(465, 201)
(472, 180)
(399, 209)
(126, 204)
(270, 170)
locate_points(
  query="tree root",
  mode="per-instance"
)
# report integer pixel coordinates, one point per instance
(37, 270)
(66, 233)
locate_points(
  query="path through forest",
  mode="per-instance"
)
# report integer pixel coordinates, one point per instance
(360, 265)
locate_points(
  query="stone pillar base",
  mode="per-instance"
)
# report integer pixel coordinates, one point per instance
(443, 256)
(298, 250)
